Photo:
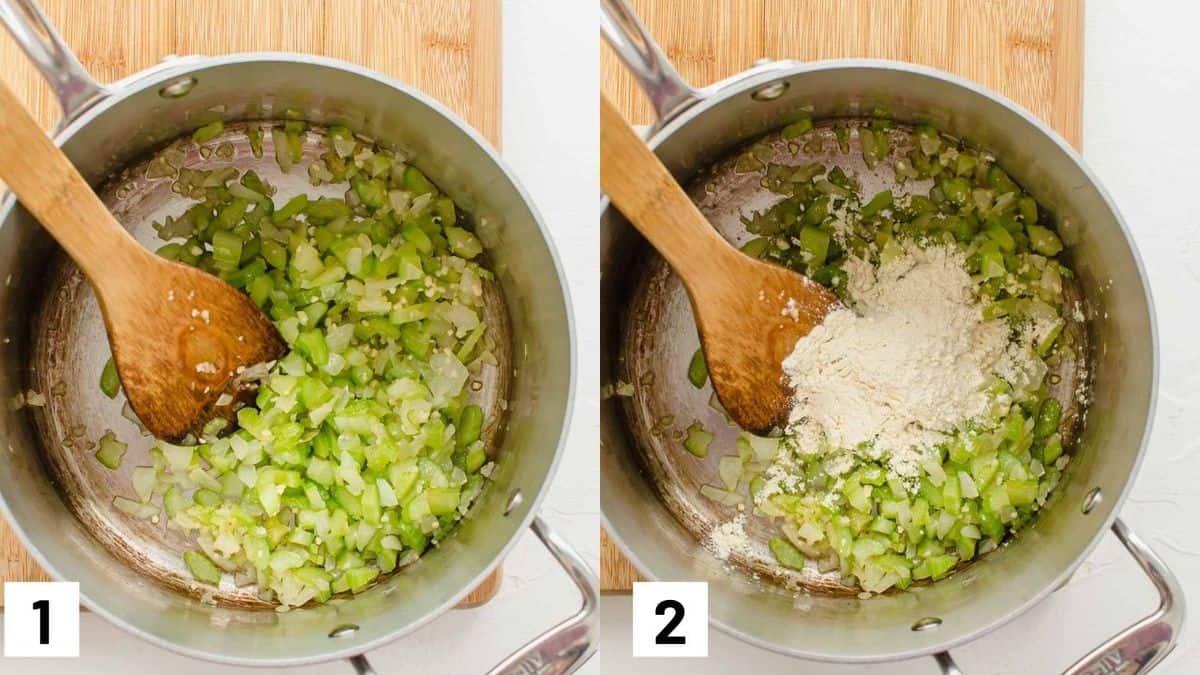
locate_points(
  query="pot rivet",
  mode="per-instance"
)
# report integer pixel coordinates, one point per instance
(1093, 498)
(927, 623)
(344, 630)
(770, 92)
(179, 88)
(514, 500)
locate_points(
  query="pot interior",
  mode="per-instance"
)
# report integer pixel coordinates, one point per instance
(659, 339)
(649, 493)
(60, 498)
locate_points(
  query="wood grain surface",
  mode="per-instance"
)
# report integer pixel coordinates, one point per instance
(450, 49)
(1028, 50)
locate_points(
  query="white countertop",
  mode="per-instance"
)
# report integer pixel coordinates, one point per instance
(1138, 56)
(550, 139)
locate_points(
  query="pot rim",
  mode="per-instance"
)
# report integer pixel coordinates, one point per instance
(769, 72)
(157, 76)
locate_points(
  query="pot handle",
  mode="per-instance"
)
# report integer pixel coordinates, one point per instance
(668, 92)
(1145, 644)
(567, 646)
(73, 86)
(1142, 646)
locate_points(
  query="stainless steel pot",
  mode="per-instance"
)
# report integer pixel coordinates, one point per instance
(694, 128)
(105, 128)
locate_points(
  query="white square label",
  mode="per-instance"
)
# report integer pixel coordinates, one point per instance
(41, 619)
(670, 618)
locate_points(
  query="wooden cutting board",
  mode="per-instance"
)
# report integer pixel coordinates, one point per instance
(450, 49)
(1028, 50)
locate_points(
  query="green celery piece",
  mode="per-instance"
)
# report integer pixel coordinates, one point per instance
(111, 451)
(956, 189)
(697, 372)
(1028, 209)
(842, 133)
(470, 425)
(227, 249)
(1044, 241)
(416, 182)
(786, 554)
(254, 135)
(1000, 181)
(698, 440)
(1048, 416)
(443, 207)
(756, 247)
(110, 383)
(797, 129)
(208, 132)
(1052, 449)
(372, 192)
(814, 242)
(202, 568)
(293, 207)
(879, 202)
(463, 243)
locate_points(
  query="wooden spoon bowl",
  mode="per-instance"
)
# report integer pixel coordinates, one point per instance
(181, 338)
(750, 313)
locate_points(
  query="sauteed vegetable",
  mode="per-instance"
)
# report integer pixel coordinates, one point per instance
(362, 448)
(844, 508)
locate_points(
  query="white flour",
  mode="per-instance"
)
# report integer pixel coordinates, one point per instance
(729, 537)
(892, 375)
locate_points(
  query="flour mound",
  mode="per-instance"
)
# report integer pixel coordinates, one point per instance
(906, 363)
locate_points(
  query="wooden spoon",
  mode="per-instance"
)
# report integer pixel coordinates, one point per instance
(749, 313)
(180, 337)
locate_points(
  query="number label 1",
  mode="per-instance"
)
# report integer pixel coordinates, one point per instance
(41, 619)
(670, 619)
(43, 608)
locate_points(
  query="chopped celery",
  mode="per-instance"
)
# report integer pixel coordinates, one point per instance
(787, 554)
(202, 568)
(111, 451)
(227, 249)
(698, 369)
(463, 243)
(814, 243)
(470, 424)
(755, 247)
(879, 202)
(134, 508)
(144, 479)
(361, 449)
(208, 132)
(416, 182)
(730, 470)
(697, 440)
(254, 135)
(1047, 418)
(110, 384)
(797, 128)
(994, 473)
(1044, 241)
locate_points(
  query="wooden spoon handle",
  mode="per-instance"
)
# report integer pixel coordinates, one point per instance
(50, 187)
(642, 189)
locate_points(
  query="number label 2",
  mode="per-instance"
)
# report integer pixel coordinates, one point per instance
(664, 636)
(670, 619)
